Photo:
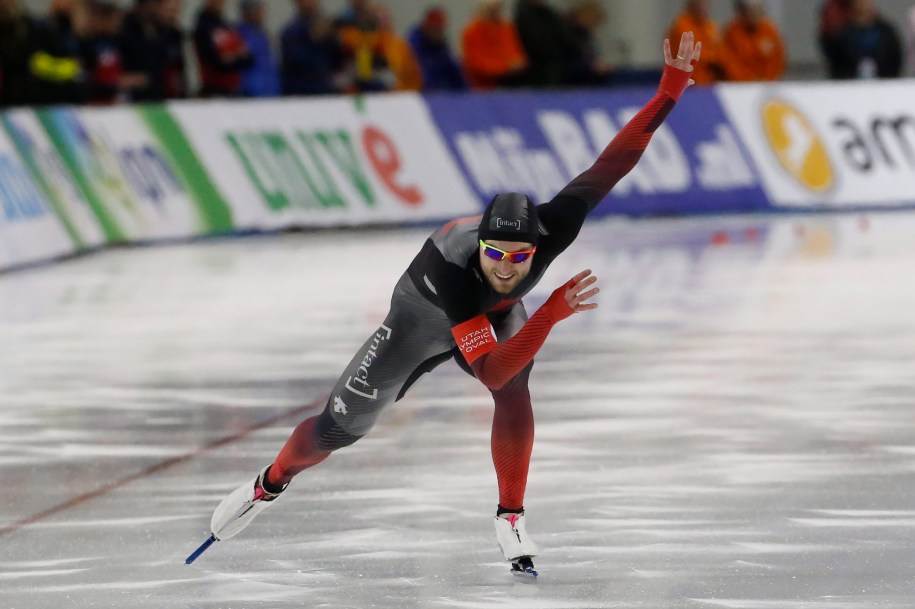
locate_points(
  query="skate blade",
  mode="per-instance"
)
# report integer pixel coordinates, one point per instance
(525, 572)
(203, 548)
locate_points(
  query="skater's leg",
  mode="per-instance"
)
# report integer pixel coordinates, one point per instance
(315, 438)
(373, 379)
(511, 443)
(512, 440)
(512, 437)
(513, 421)
(414, 333)
(301, 451)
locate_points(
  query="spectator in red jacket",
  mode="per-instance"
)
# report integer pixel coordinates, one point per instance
(221, 52)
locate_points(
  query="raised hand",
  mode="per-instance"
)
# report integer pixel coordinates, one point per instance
(569, 298)
(687, 55)
(575, 291)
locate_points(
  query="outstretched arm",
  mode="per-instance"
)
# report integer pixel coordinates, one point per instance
(622, 154)
(495, 364)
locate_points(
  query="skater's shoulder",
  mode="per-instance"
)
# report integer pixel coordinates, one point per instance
(457, 240)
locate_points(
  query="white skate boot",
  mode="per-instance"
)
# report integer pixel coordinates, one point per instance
(517, 547)
(238, 509)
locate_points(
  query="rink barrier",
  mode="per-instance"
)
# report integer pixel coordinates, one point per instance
(76, 179)
(536, 142)
(829, 145)
(334, 161)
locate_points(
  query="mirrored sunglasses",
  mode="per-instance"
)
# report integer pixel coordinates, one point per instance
(496, 254)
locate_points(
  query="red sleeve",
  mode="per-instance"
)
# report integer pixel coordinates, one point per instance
(565, 214)
(625, 150)
(495, 364)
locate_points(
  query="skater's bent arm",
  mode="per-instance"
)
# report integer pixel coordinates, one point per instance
(495, 364)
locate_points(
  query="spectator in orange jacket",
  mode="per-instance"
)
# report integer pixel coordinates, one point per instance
(493, 55)
(716, 61)
(754, 43)
(401, 60)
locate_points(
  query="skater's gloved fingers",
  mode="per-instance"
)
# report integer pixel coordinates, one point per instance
(579, 291)
(579, 304)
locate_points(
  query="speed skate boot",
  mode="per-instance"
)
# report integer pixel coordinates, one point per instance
(517, 547)
(241, 506)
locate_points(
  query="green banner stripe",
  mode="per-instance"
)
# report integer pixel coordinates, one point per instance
(212, 206)
(113, 232)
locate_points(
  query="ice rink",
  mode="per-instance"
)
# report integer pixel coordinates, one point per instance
(733, 427)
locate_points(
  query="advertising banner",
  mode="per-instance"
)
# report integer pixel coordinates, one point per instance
(536, 142)
(829, 145)
(137, 188)
(48, 171)
(326, 161)
(29, 229)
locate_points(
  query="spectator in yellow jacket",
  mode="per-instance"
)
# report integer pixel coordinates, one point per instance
(368, 63)
(754, 43)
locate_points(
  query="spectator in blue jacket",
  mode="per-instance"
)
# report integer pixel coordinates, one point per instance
(311, 52)
(262, 79)
(441, 71)
(868, 46)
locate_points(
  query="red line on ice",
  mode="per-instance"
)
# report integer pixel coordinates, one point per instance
(154, 469)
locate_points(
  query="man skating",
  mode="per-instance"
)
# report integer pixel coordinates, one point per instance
(461, 297)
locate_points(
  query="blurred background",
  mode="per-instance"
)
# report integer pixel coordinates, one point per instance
(154, 49)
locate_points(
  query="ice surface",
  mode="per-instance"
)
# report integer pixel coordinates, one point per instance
(733, 427)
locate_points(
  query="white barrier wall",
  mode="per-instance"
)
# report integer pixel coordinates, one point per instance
(829, 145)
(30, 230)
(73, 179)
(327, 161)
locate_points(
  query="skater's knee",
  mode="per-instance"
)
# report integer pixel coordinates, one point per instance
(328, 435)
(516, 385)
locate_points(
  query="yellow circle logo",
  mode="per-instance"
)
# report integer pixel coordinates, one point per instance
(797, 145)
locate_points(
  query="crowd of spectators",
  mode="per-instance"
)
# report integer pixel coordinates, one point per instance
(856, 42)
(112, 51)
(751, 47)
